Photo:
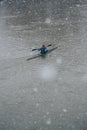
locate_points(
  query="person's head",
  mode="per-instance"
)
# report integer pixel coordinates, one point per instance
(43, 45)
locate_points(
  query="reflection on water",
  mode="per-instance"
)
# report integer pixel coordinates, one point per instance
(45, 93)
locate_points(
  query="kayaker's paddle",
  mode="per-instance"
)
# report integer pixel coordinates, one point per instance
(46, 46)
(49, 45)
(34, 49)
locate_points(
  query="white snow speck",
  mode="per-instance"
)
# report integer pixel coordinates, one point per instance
(84, 78)
(59, 61)
(86, 113)
(48, 122)
(64, 110)
(48, 21)
(59, 29)
(35, 122)
(37, 105)
(47, 113)
(66, 18)
(78, 5)
(35, 89)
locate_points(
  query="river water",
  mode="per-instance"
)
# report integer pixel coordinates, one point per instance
(45, 93)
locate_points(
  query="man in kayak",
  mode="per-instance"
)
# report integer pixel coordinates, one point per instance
(43, 49)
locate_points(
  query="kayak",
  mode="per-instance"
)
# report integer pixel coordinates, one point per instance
(42, 55)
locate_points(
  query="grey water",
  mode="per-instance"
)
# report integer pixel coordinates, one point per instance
(44, 93)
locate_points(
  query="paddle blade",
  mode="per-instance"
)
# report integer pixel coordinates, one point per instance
(34, 49)
(49, 45)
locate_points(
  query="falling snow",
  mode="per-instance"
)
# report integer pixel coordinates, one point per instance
(48, 122)
(50, 92)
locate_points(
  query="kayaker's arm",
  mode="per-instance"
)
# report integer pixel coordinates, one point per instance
(40, 48)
